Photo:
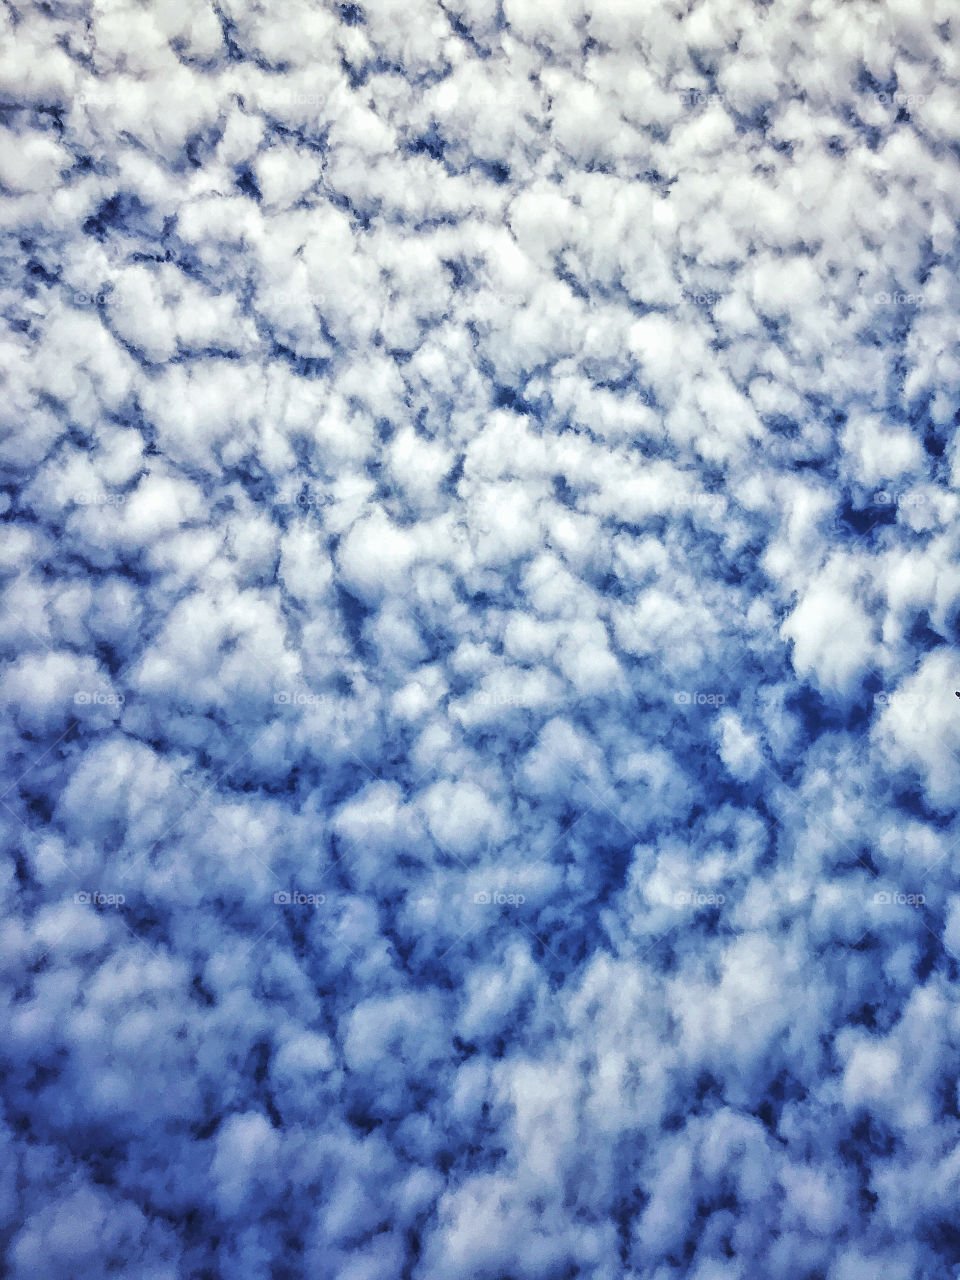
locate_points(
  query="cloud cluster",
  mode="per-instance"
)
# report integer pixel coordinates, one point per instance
(479, 602)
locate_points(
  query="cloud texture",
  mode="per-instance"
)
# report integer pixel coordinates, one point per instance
(479, 613)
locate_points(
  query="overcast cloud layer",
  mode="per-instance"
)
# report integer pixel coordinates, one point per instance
(479, 617)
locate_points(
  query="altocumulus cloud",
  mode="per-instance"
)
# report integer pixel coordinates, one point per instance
(479, 613)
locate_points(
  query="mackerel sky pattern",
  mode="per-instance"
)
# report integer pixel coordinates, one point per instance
(480, 590)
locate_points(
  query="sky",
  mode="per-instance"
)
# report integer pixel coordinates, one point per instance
(480, 592)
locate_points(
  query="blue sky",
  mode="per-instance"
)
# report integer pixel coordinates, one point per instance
(480, 597)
